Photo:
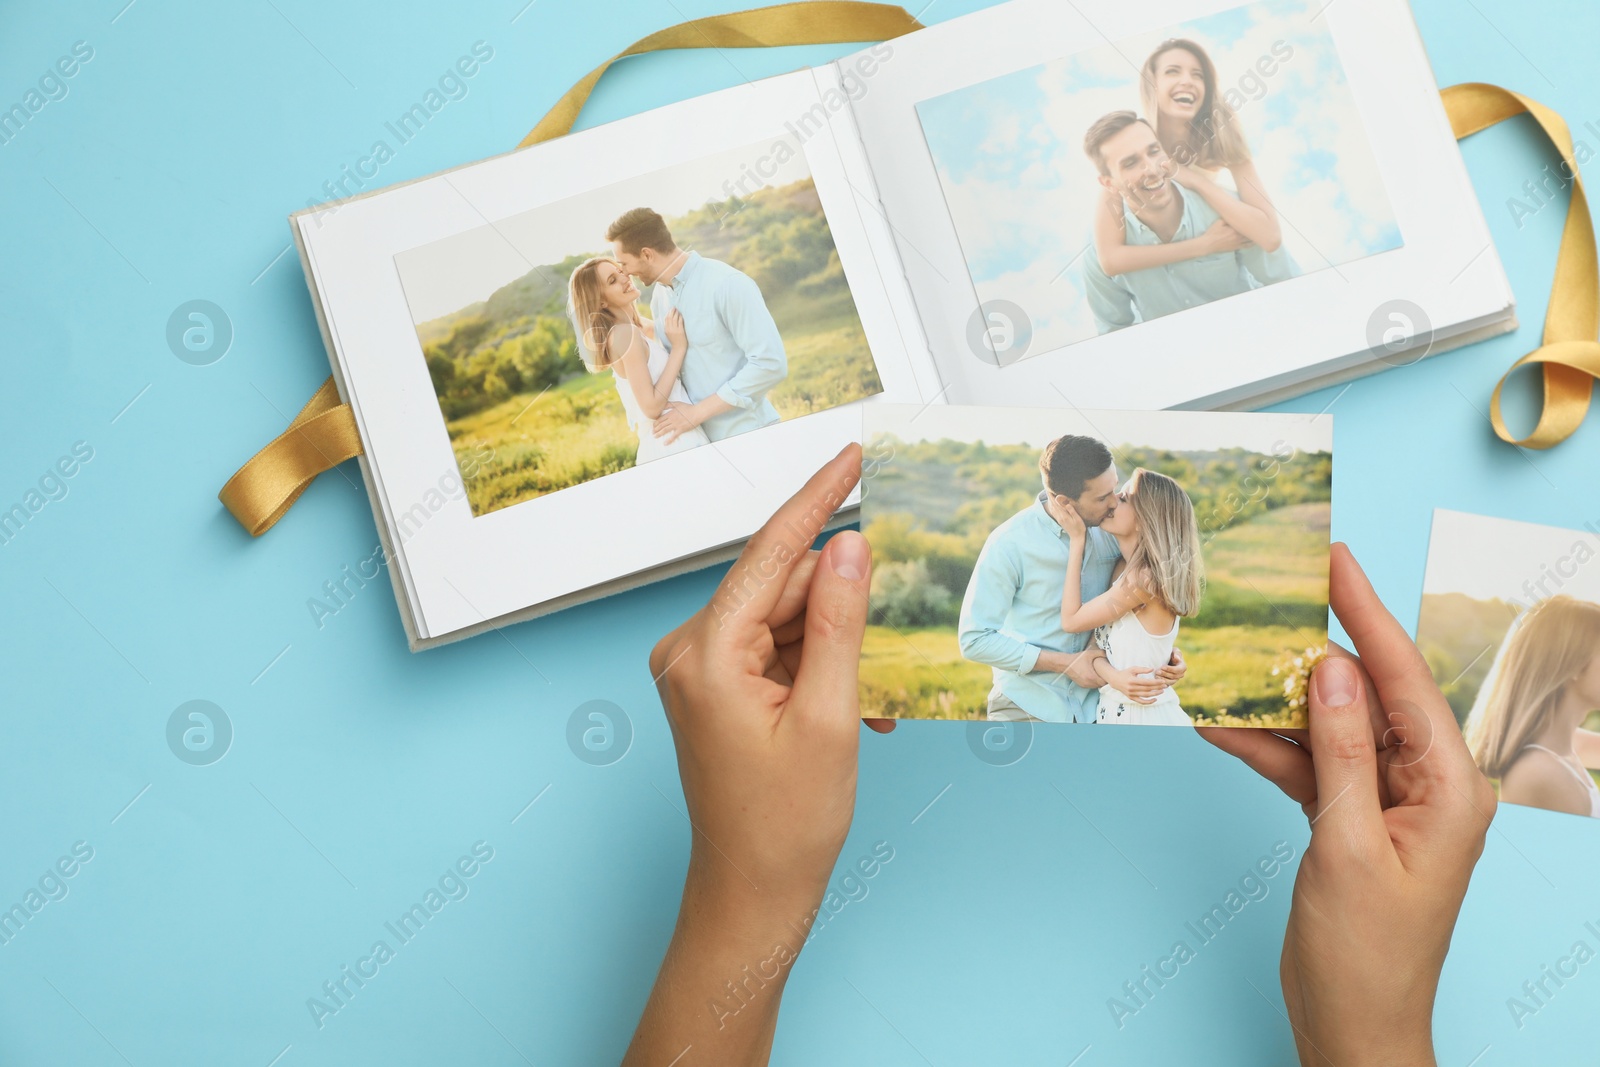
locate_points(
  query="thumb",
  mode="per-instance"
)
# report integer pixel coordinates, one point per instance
(1344, 759)
(827, 682)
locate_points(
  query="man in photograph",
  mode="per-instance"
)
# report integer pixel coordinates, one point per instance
(735, 355)
(1156, 210)
(1011, 614)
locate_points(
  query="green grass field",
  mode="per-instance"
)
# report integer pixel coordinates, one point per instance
(541, 442)
(1265, 600)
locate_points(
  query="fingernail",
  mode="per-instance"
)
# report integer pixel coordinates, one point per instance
(1336, 683)
(848, 556)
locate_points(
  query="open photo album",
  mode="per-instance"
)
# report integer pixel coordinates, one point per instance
(603, 360)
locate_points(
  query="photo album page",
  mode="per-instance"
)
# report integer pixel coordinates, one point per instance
(1177, 203)
(583, 364)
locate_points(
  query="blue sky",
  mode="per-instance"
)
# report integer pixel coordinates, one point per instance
(1009, 156)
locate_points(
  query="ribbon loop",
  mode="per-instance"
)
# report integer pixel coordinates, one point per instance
(322, 436)
(1570, 356)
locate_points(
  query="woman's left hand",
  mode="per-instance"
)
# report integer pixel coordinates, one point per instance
(760, 688)
(1067, 515)
(1187, 176)
(677, 334)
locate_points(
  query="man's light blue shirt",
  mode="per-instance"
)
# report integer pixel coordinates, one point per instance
(1142, 295)
(1012, 610)
(735, 350)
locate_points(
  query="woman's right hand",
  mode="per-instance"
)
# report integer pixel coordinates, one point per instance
(1398, 815)
(677, 335)
(1221, 237)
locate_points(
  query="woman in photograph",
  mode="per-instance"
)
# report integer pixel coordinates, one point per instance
(604, 305)
(1202, 137)
(1526, 727)
(1156, 583)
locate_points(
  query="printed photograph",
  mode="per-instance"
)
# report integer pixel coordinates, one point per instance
(1510, 626)
(635, 322)
(1158, 568)
(1160, 172)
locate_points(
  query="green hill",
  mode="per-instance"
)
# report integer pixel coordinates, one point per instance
(1458, 636)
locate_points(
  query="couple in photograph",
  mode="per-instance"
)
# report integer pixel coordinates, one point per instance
(1184, 219)
(700, 368)
(1526, 726)
(1075, 601)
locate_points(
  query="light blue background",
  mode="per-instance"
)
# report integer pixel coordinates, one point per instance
(224, 896)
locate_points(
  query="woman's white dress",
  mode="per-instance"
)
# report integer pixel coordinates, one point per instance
(1588, 783)
(650, 446)
(1128, 644)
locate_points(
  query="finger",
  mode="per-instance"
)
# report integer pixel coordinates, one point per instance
(1345, 761)
(1383, 735)
(880, 726)
(1401, 681)
(1276, 758)
(786, 621)
(1387, 653)
(827, 686)
(751, 588)
(790, 632)
(789, 656)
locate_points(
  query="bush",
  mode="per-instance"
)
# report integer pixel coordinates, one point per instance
(903, 595)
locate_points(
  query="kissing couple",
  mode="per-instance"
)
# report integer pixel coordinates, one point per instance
(700, 368)
(1075, 600)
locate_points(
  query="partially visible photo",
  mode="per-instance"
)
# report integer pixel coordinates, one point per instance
(1181, 552)
(1160, 172)
(636, 322)
(1510, 626)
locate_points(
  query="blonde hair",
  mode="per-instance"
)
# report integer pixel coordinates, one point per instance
(592, 320)
(1166, 560)
(1556, 641)
(1213, 138)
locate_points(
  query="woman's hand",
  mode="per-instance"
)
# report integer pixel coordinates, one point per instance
(760, 690)
(1398, 816)
(1067, 515)
(677, 335)
(1188, 176)
(1137, 683)
(1220, 237)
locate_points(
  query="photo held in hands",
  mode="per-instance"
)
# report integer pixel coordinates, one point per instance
(1120, 568)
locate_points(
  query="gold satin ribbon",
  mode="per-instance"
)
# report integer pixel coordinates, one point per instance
(809, 22)
(320, 438)
(1570, 354)
(324, 434)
